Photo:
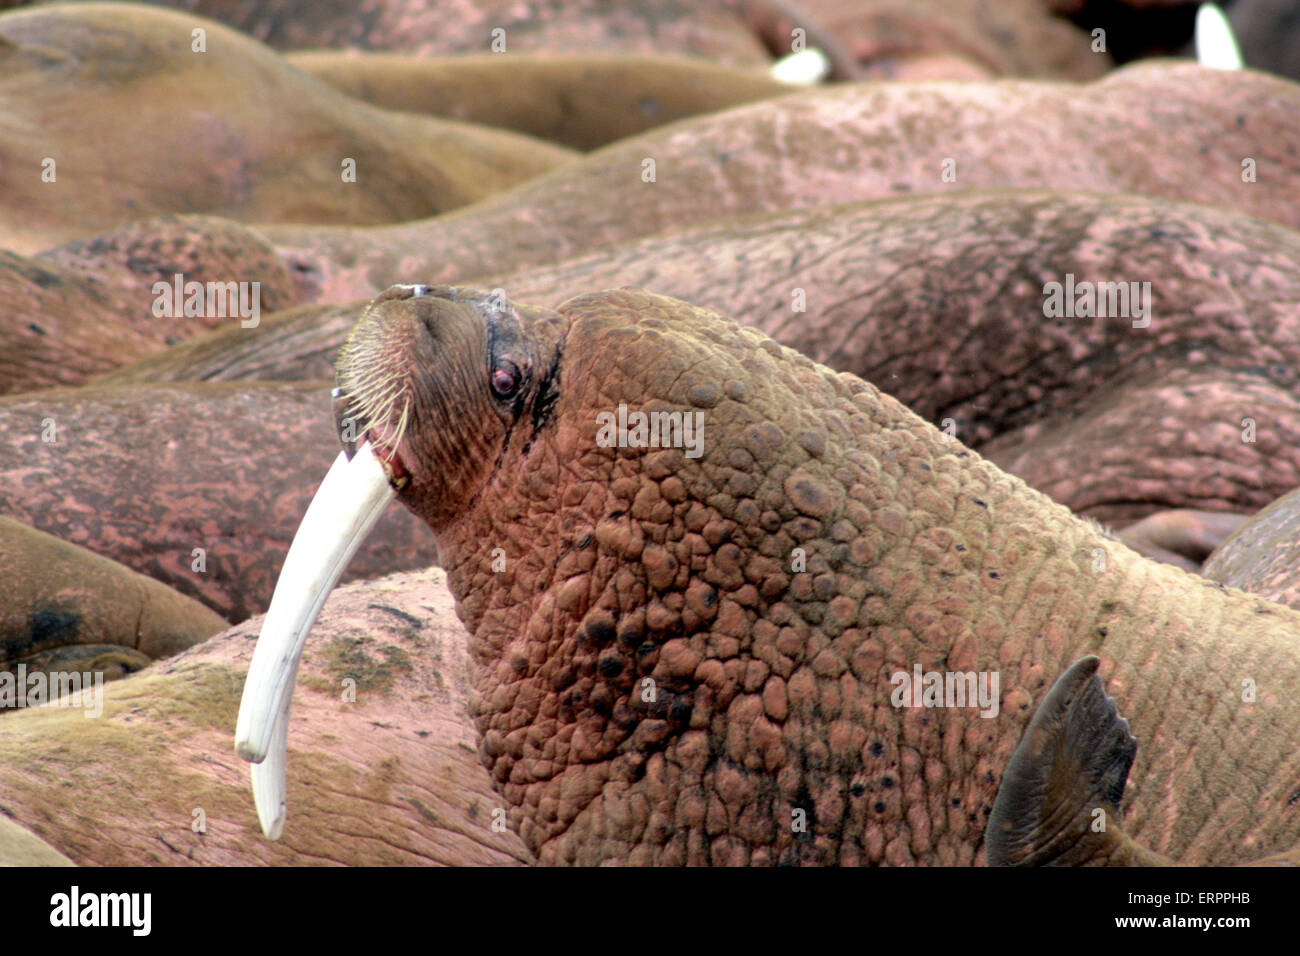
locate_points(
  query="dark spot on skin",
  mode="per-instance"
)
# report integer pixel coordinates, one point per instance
(956, 801)
(926, 467)
(600, 632)
(631, 636)
(877, 748)
(886, 781)
(610, 665)
(858, 789)
(48, 627)
(1241, 121)
(1101, 631)
(399, 614)
(583, 541)
(879, 807)
(648, 105)
(980, 503)
(993, 574)
(35, 328)
(42, 278)
(961, 547)
(679, 711)
(1293, 799)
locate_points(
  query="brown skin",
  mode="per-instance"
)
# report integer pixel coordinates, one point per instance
(1183, 537)
(934, 298)
(63, 608)
(772, 687)
(279, 137)
(1263, 557)
(1008, 38)
(582, 102)
(86, 307)
(849, 143)
(1177, 435)
(435, 27)
(1059, 801)
(390, 779)
(295, 345)
(146, 474)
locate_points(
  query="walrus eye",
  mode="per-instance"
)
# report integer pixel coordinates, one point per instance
(505, 379)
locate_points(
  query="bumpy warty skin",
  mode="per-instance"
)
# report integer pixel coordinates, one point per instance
(582, 570)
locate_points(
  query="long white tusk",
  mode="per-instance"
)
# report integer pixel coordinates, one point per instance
(1216, 46)
(347, 505)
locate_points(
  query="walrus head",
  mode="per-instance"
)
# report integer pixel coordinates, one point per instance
(431, 385)
(436, 379)
(689, 561)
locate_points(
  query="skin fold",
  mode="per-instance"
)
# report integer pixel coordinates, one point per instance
(849, 143)
(233, 131)
(87, 306)
(63, 608)
(772, 686)
(909, 293)
(1263, 557)
(389, 777)
(92, 487)
(582, 102)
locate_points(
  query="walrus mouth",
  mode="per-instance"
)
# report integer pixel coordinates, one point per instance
(345, 508)
(388, 446)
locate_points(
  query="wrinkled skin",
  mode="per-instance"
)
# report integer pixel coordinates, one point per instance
(146, 474)
(582, 102)
(850, 143)
(772, 686)
(1183, 537)
(1013, 37)
(390, 779)
(1193, 435)
(234, 131)
(85, 307)
(1263, 557)
(913, 293)
(65, 609)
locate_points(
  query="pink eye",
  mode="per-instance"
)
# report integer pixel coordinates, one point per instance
(505, 380)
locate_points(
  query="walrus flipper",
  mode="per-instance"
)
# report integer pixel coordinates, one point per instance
(1072, 762)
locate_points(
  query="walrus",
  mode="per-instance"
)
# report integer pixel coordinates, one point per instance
(1215, 132)
(1263, 556)
(700, 648)
(167, 480)
(150, 782)
(932, 298)
(88, 306)
(1014, 37)
(1206, 437)
(1059, 801)
(579, 101)
(229, 129)
(64, 609)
